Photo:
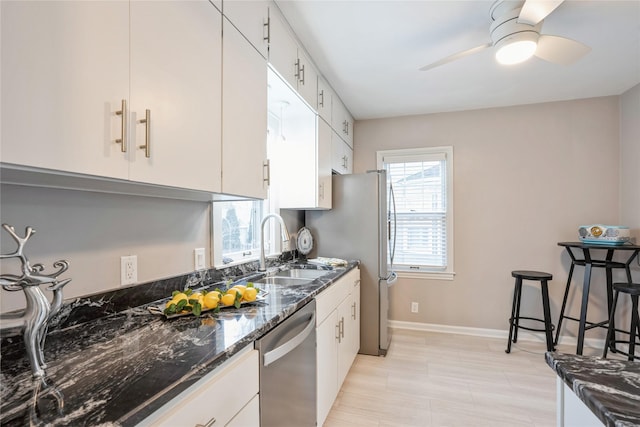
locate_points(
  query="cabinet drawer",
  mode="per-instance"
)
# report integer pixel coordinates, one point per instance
(220, 395)
(330, 298)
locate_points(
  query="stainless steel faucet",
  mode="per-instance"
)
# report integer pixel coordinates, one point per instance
(283, 230)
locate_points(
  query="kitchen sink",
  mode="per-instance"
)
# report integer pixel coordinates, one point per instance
(299, 273)
(286, 281)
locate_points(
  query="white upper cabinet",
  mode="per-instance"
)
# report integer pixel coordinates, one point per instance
(307, 79)
(341, 155)
(65, 74)
(325, 95)
(342, 121)
(79, 77)
(283, 49)
(176, 54)
(251, 18)
(292, 147)
(290, 60)
(244, 117)
(324, 164)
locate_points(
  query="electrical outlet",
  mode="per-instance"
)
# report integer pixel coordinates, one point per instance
(128, 270)
(198, 259)
(414, 307)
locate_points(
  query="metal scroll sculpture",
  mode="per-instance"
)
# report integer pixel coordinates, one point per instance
(33, 320)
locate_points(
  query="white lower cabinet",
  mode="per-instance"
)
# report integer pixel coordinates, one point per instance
(229, 395)
(338, 338)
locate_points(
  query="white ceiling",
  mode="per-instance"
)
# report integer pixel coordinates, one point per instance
(370, 52)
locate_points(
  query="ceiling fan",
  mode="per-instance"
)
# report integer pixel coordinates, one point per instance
(515, 35)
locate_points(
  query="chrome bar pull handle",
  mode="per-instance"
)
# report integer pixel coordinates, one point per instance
(338, 332)
(147, 134)
(123, 129)
(301, 74)
(321, 96)
(297, 70)
(267, 26)
(209, 423)
(266, 172)
(342, 327)
(353, 313)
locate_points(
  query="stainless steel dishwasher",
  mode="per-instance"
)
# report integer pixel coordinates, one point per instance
(288, 371)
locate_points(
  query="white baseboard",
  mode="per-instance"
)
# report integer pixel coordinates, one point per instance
(491, 333)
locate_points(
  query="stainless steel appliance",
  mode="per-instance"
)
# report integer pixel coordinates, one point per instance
(360, 225)
(288, 371)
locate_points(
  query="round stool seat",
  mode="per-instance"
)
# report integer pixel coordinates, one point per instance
(531, 275)
(627, 288)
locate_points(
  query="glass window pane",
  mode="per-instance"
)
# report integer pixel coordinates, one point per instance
(240, 229)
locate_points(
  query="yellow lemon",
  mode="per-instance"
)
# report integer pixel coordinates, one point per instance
(250, 294)
(180, 296)
(195, 295)
(210, 300)
(234, 291)
(229, 299)
(169, 303)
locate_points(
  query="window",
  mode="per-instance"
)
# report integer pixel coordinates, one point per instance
(236, 231)
(422, 182)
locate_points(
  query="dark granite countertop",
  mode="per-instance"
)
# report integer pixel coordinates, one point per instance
(117, 368)
(609, 388)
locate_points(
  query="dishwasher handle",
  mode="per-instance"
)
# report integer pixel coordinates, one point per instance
(290, 345)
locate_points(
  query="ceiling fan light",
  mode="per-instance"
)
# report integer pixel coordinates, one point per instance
(516, 48)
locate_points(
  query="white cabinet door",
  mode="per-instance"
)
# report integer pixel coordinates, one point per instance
(244, 119)
(355, 319)
(251, 18)
(283, 49)
(324, 165)
(336, 334)
(324, 99)
(249, 416)
(65, 72)
(342, 121)
(326, 365)
(341, 155)
(292, 147)
(344, 344)
(176, 75)
(307, 80)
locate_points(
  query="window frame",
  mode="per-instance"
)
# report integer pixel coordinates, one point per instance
(413, 154)
(217, 235)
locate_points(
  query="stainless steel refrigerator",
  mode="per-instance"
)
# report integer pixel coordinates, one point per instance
(360, 225)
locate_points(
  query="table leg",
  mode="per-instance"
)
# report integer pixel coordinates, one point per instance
(583, 309)
(564, 303)
(611, 342)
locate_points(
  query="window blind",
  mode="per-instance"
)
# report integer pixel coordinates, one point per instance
(420, 189)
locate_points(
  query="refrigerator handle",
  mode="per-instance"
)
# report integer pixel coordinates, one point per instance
(392, 244)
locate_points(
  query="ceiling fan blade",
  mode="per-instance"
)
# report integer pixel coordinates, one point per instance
(455, 57)
(534, 11)
(560, 50)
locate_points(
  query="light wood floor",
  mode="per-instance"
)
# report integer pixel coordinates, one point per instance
(446, 380)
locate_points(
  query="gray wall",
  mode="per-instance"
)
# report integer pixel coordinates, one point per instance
(525, 178)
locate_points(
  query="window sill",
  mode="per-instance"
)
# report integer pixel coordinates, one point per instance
(425, 275)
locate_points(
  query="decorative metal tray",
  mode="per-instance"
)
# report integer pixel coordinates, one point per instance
(159, 309)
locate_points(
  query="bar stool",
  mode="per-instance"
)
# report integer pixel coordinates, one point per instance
(633, 290)
(514, 321)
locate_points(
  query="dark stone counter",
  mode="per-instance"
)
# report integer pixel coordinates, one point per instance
(609, 388)
(119, 364)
